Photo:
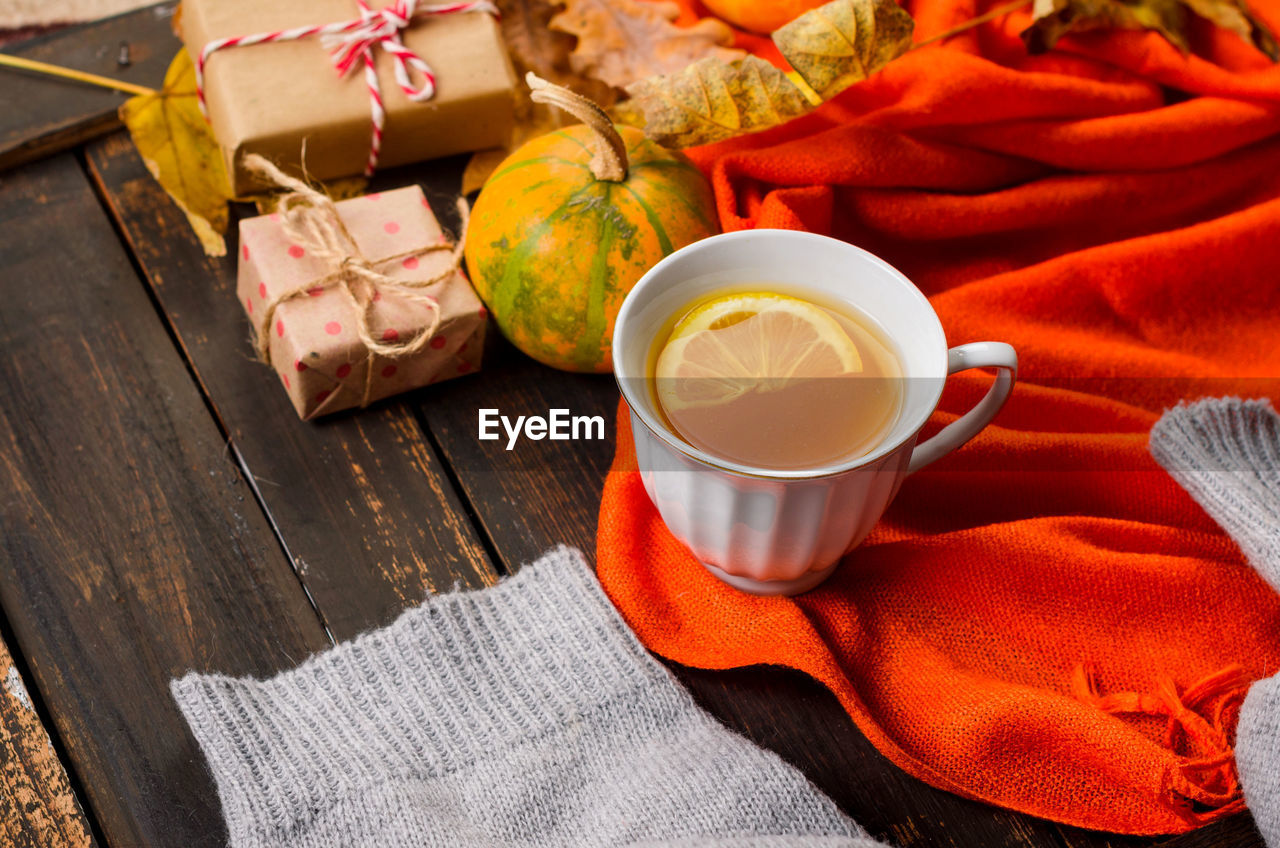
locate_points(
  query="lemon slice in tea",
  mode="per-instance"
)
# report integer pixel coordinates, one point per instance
(747, 342)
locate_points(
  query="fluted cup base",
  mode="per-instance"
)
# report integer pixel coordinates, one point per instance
(796, 586)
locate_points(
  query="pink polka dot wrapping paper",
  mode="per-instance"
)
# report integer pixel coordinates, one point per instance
(315, 348)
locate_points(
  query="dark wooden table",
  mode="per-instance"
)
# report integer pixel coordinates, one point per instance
(163, 509)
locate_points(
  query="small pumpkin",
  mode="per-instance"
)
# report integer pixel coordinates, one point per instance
(570, 221)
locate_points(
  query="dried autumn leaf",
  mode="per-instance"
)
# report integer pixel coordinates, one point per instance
(480, 167)
(811, 95)
(1234, 15)
(1051, 19)
(712, 100)
(627, 113)
(538, 121)
(836, 45)
(622, 41)
(534, 46)
(179, 150)
(532, 120)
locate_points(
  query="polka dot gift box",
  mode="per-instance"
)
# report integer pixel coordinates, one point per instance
(359, 305)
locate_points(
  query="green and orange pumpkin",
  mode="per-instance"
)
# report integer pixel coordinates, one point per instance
(570, 221)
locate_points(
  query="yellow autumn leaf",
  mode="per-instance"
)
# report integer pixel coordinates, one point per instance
(627, 113)
(179, 149)
(842, 43)
(829, 48)
(712, 100)
(809, 93)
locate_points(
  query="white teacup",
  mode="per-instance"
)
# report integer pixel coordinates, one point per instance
(782, 532)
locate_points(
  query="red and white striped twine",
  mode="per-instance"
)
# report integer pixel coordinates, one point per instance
(354, 40)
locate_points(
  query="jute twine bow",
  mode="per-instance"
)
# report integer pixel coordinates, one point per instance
(310, 218)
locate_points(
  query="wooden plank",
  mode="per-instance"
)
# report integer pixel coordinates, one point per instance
(133, 550)
(541, 493)
(1236, 831)
(41, 115)
(366, 511)
(37, 807)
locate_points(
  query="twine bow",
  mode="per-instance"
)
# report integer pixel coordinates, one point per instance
(310, 218)
(355, 40)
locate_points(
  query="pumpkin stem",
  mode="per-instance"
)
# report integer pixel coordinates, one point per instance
(609, 159)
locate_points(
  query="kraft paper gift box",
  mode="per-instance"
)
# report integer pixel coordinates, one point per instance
(270, 98)
(314, 343)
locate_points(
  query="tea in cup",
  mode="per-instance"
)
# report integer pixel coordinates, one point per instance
(777, 382)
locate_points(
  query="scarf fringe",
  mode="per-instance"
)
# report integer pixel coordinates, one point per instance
(1201, 785)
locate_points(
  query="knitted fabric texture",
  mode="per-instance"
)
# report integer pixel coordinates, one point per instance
(1226, 453)
(525, 714)
(1112, 210)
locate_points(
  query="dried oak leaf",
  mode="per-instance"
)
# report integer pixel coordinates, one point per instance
(836, 45)
(533, 45)
(1051, 19)
(1234, 15)
(621, 41)
(711, 100)
(628, 113)
(179, 150)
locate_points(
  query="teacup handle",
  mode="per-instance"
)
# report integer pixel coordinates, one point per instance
(973, 355)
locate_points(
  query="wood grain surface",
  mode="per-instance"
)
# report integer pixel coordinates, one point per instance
(133, 548)
(37, 807)
(542, 493)
(364, 508)
(520, 503)
(55, 114)
(165, 510)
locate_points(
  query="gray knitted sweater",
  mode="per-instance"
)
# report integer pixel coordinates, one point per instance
(1226, 453)
(527, 714)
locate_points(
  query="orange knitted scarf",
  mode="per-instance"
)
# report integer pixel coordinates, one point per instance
(1043, 620)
